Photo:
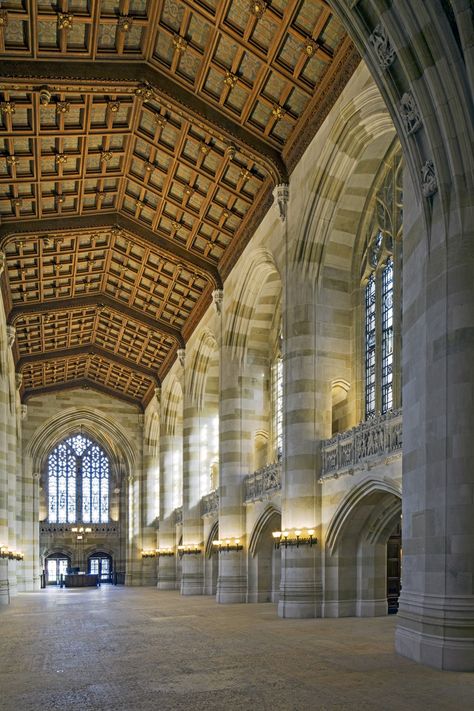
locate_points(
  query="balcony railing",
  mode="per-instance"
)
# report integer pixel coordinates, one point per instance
(210, 504)
(376, 441)
(263, 483)
(99, 529)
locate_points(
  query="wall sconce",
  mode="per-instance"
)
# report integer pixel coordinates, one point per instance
(294, 537)
(164, 551)
(7, 554)
(188, 549)
(81, 529)
(228, 544)
(148, 554)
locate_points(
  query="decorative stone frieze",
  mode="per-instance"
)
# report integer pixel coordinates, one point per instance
(409, 113)
(376, 441)
(263, 483)
(429, 181)
(72, 529)
(382, 46)
(210, 504)
(281, 194)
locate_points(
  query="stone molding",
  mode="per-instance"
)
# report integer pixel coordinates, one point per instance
(210, 504)
(263, 483)
(373, 442)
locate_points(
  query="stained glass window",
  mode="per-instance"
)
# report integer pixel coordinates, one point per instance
(387, 336)
(78, 482)
(370, 315)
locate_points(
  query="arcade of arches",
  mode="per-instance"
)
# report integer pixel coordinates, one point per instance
(287, 413)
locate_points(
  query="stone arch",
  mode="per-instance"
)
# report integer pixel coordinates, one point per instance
(355, 544)
(201, 360)
(339, 405)
(264, 560)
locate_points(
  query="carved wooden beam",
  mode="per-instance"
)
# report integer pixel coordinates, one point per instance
(85, 383)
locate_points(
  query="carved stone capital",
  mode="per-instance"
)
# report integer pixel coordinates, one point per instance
(380, 42)
(281, 194)
(429, 181)
(409, 113)
(11, 335)
(217, 299)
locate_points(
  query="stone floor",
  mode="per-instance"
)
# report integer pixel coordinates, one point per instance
(139, 649)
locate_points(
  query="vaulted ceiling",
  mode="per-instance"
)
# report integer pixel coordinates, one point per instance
(140, 142)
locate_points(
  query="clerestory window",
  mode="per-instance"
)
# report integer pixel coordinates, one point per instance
(78, 482)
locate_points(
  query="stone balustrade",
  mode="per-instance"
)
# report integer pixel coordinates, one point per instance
(210, 504)
(102, 529)
(375, 441)
(263, 483)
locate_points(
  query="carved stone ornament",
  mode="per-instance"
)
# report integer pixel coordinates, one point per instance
(217, 299)
(63, 107)
(11, 335)
(281, 194)
(3, 18)
(18, 380)
(3, 261)
(429, 182)
(125, 23)
(409, 113)
(65, 20)
(158, 395)
(7, 107)
(181, 353)
(23, 411)
(382, 46)
(179, 43)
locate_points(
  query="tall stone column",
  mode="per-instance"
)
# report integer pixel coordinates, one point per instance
(192, 577)
(436, 615)
(170, 454)
(301, 587)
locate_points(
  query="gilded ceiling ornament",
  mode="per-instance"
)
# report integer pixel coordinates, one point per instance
(105, 156)
(3, 18)
(16, 202)
(11, 160)
(429, 182)
(60, 199)
(7, 107)
(245, 174)
(44, 96)
(100, 194)
(176, 225)
(258, 7)
(230, 79)
(63, 107)
(310, 47)
(188, 190)
(113, 106)
(160, 120)
(278, 112)
(125, 23)
(65, 20)
(230, 151)
(139, 205)
(180, 44)
(225, 214)
(61, 158)
(409, 113)
(382, 46)
(149, 167)
(204, 148)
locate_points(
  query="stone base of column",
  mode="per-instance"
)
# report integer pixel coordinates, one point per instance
(232, 579)
(372, 608)
(166, 573)
(4, 592)
(436, 631)
(192, 577)
(301, 588)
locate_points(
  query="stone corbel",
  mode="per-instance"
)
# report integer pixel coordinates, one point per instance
(409, 113)
(11, 335)
(281, 195)
(18, 380)
(3, 261)
(181, 354)
(380, 42)
(217, 299)
(23, 411)
(158, 396)
(429, 181)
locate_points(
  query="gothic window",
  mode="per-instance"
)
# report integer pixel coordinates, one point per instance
(382, 298)
(78, 482)
(277, 404)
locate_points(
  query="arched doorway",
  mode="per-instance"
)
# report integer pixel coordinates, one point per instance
(265, 559)
(56, 567)
(100, 564)
(363, 545)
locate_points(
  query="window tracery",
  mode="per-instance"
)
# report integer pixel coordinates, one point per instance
(78, 482)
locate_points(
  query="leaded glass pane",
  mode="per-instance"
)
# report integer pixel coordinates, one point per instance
(370, 319)
(387, 336)
(277, 397)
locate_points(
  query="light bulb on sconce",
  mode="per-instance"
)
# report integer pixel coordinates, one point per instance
(294, 537)
(229, 544)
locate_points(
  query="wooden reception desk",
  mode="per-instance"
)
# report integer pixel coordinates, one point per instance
(81, 580)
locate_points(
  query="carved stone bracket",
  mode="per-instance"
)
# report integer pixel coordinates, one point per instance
(23, 411)
(281, 194)
(18, 380)
(181, 353)
(11, 335)
(217, 299)
(429, 181)
(158, 396)
(3, 261)
(382, 46)
(409, 113)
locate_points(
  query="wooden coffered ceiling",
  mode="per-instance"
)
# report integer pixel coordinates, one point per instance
(139, 145)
